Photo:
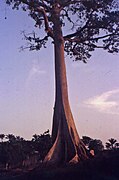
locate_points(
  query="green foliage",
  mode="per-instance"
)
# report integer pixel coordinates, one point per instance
(93, 24)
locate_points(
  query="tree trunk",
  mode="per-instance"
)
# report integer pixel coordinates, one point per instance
(67, 146)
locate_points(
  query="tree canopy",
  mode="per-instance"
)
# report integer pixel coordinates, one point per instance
(93, 24)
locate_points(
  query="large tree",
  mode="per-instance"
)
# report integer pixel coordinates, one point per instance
(94, 24)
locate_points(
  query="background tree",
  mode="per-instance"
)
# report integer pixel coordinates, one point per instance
(86, 140)
(19, 139)
(116, 145)
(42, 143)
(3, 154)
(15, 150)
(93, 144)
(96, 145)
(94, 25)
(11, 138)
(2, 136)
(112, 144)
(12, 151)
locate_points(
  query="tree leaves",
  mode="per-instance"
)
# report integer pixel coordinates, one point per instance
(94, 24)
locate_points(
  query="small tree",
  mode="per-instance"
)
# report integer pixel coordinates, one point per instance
(2, 136)
(96, 145)
(3, 154)
(94, 25)
(112, 144)
(86, 140)
(11, 138)
(42, 143)
(116, 145)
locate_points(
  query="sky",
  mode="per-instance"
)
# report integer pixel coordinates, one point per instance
(27, 86)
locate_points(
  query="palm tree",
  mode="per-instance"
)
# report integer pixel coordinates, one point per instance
(112, 144)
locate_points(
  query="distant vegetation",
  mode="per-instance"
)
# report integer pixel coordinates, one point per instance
(16, 152)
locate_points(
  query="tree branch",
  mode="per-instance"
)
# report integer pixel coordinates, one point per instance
(77, 40)
(47, 28)
(102, 37)
(34, 4)
(41, 10)
(35, 39)
(68, 18)
(35, 43)
(77, 32)
(69, 2)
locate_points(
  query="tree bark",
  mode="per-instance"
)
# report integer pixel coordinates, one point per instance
(67, 146)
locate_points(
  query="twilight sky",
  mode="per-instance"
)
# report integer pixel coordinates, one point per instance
(27, 85)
